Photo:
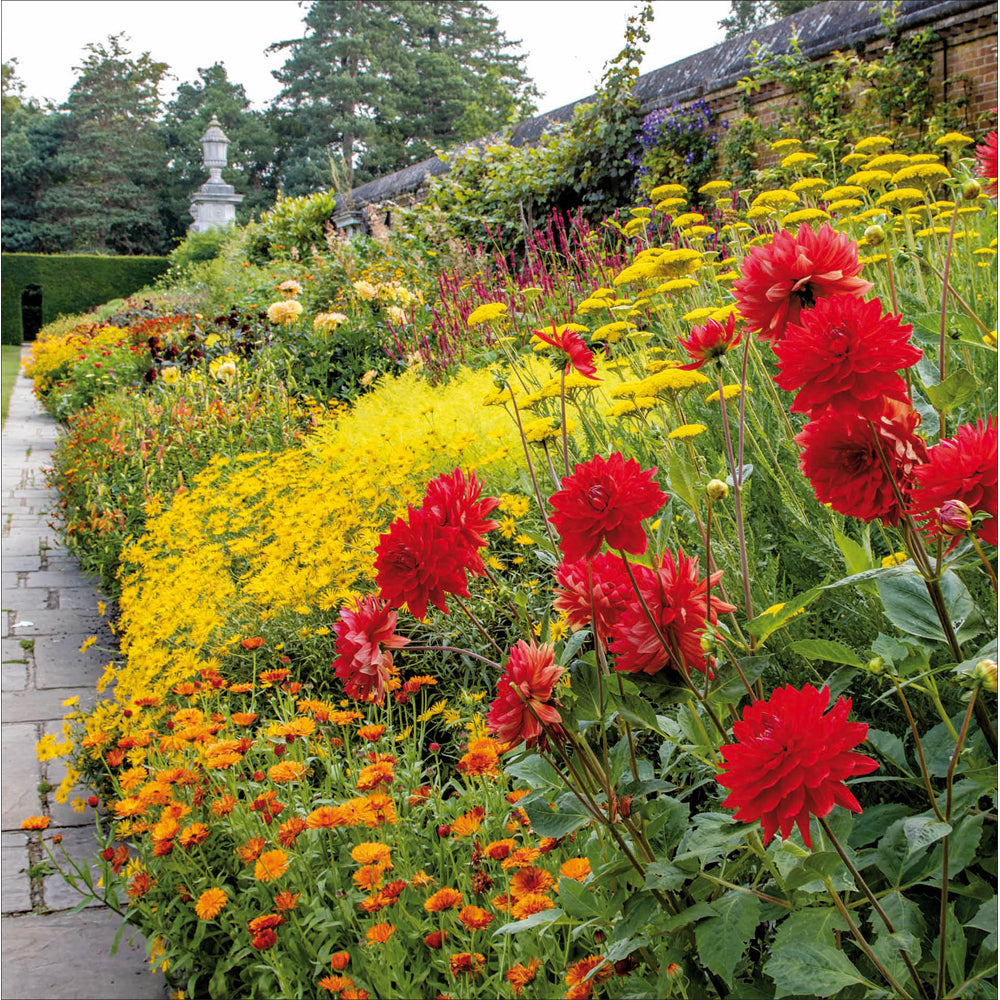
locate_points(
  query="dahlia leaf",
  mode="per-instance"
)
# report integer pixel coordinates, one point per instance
(683, 478)
(804, 968)
(986, 920)
(908, 605)
(887, 948)
(542, 920)
(723, 939)
(857, 558)
(537, 772)
(578, 900)
(955, 947)
(922, 831)
(827, 650)
(568, 816)
(956, 389)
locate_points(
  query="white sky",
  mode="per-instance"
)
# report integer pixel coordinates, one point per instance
(567, 42)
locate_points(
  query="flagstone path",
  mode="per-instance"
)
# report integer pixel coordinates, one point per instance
(48, 607)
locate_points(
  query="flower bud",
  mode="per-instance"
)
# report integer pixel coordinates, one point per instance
(443, 830)
(108, 853)
(280, 749)
(874, 235)
(876, 664)
(717, 490)
(433, 747)
(258, 776)
(708, 644)
(93, 801)
(954, 517)
(971, 190)
(985, 672)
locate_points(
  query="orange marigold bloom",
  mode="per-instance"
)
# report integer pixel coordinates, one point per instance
(481, 759)
(435, 939)
(125, 807)
(515, 796)
(422, 879)
(265, 922)
(242, 687)
(469, 963)
(529, 880)
(444, 899)
(475, 918)
(295, 728)
(326, 817)
(165, 829)
(273, 676)
(251, 850)
(575, 868)
(468, 823)
(270, 865)
(502, 903)
(345, 718)
(254, 642)
(576, 975)
(286, 900)
(335, 984)
(210, 903)
(375, 810)
(339, 960)
(35, 823)
(162, 847)
(289, 831)
(521, 858)
(140, 885)
(533, 902)
(374, 775)
(369, 877)
(223, 806)
(499, 849)
(372, 852)
(371, 732)
(193, 835)
(520, 976)
(355, 993)
(243, 718)
(286, 770)
(380, 933)
(419, 796)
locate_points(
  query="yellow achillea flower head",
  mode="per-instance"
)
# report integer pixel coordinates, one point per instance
(779, 198)
(487, 313)
(715, 187)
(729, 390)
(805, 215)
(667, 191)
(931, 173)
(798, 159)
(900, 196)
(808, 185)
(781, 145)
(953, 140)
(686, 431)
(869, 178)
(612, 331)
(888, 161)
(872, 143)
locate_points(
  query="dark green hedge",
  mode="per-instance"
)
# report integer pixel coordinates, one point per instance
(70, 283)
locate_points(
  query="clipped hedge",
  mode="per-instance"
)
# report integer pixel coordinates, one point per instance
(70, 283)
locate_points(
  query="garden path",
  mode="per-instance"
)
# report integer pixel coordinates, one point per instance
(49, 607)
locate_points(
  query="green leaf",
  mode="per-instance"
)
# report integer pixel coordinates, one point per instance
(955, 948)
(828, 650)
(683, 477)
(811, 970)
(662, 875)
(700, 911)
(723, 939)
(857, 558)
(956, 389)
(568, 815)
(537, 772)
(908, 605)
(577, 900)
(765, 624)
(985, 919)
(890, 747)
(586, 704)
(922, 831)
(540, 920)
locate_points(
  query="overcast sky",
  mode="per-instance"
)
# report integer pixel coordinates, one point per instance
(567, 42)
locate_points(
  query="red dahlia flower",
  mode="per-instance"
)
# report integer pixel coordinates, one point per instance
(602, 596)
(962, 467)
(361, 662)
(521, 705)
(417, 561)
(675, 598)
(710, 342)
(578, 355)
(986, 163)
(453, 501)
(845, 355)
(791, 273)
(605, 500)
(789, 761)
(841, 460)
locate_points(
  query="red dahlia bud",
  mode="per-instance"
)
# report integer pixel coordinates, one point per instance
(280, 749)
(955, 517)
(127, 713)
(289, 738)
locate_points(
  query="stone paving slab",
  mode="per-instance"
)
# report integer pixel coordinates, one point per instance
(15, 888)
(79, 844)
(58, 956)
(56, 623)
(25, 599)
(59, 662)
(21, 775)
(31, 705)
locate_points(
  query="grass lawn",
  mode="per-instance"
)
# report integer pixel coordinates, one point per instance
(10, 361)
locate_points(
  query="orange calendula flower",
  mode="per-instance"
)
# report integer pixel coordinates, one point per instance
(470, 964)
(286, 900)
(326, 817)
(286, 770)
(369, 877)
(273, 676)
(35, 823)
(422, 880)
(533, 902)
(223, 806)
(254, 642)
(468, 823)
(270, 865)
(339, 960)
(475, 918)
(575, 868)
(380, 933)
(193, 835)
(374, 775)
(444, 899)
(371, 733)
(521, 858)
(482, 758)
(519, 976)
(241, 687)
(140, 885)
(371, 852)
(289, 831)
(251, 850)
(576, 975)
(336, 984)
(210, 903)
(529, 880)
(499, 849)
(243, 718)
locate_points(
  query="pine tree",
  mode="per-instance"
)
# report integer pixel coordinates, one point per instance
(383, 83)
(112, 159)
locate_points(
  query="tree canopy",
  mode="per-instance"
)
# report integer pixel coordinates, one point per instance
(748, 15)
